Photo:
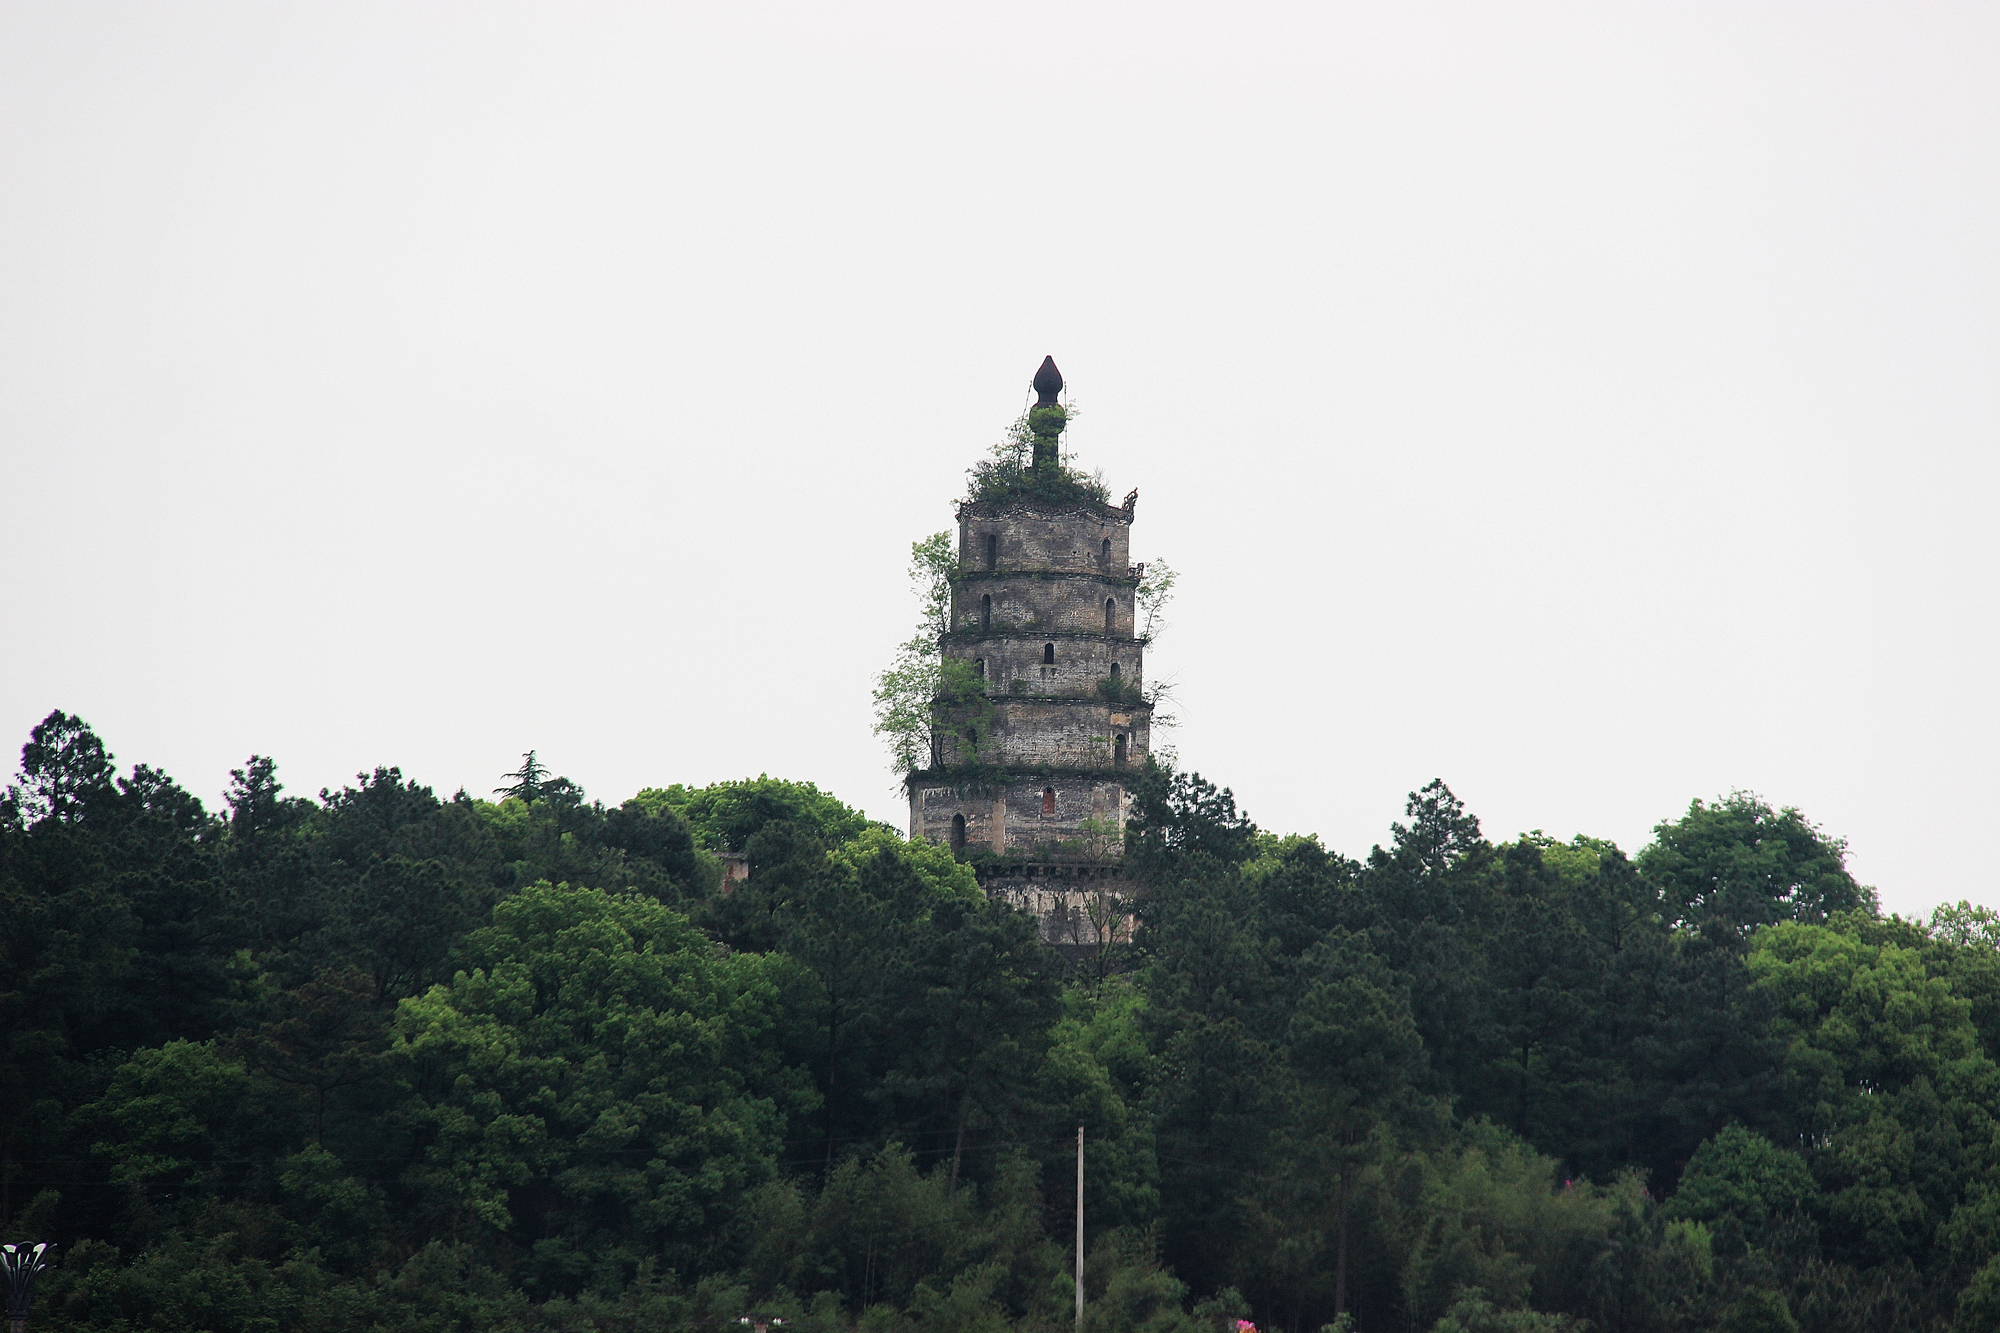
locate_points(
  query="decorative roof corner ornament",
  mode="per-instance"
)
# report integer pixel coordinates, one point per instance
(1131, 503)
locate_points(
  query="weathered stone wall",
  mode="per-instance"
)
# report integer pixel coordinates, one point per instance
(1082, 661)
(1025, 602)
(1043, 733)
(1026, 539)
(1013, 816)
(1078, 908)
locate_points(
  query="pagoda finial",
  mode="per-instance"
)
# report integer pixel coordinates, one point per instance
(1048, 383)
(1046, 418)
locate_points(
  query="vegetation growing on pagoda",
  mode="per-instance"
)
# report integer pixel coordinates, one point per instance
(921, 697)
(1010, 473)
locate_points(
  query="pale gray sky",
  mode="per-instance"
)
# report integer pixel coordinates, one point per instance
(1592, 405)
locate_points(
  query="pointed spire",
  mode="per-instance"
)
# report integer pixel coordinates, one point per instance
(1046, 417)
(1048, 383)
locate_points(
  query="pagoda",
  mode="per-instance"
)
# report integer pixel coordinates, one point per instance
(1041, 722)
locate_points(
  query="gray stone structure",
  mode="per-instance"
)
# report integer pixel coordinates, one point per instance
(1029, 778)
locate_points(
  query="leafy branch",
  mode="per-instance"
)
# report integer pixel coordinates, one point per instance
(919, 686)
(1155, 590)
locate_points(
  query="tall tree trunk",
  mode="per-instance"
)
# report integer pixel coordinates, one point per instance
(1340, 1247)
(1521, 1118)
(832, 1076)
(958, 1149)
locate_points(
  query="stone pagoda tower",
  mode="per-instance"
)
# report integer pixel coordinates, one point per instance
(1042, 719)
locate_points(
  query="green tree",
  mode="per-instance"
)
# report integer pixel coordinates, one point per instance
(65, 773)
(724, 816)
(1760, 1310)
(1749, 865)
(984, 995)
(1214, 1017)
(1473, 1313)
(324, 1038)
(180, 1128)
(1543, 980)
(1428, 905)
(398, 877)
(1487, 1212)
(1155, 591)
(1745, 1176)
(852, 915)
(928, 705)
(598, 1081)
(255, 806)
(1357, 1054)
(1961, 943)
(1182, 823)
(116, 932)
(1096, 1073)
(1892, 1084)
(907, 689)
(1581, 953)
(528, 780)
(1979, 1302)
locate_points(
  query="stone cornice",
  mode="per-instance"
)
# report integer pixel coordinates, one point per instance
(1129, 579)
(1027, 508)
(1003, 635)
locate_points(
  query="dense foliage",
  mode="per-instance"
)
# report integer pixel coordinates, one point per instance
(384, 1061)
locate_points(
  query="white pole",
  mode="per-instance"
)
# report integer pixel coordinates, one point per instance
(1079, 1226)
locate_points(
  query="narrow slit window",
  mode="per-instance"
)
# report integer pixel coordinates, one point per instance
(993, 550)
(1114, 671)
(986, 613)
(1118, 752)
(979, 667)
(958, 833)
(1104, 552)
(1048, 800)
(1110, 615)
(1048, 654)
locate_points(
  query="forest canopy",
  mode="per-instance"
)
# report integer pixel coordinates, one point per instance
(382, 1059)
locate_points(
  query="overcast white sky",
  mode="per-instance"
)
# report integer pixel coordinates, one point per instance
(1592, 405)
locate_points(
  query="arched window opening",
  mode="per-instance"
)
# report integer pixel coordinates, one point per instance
(1048, 654)
(985, 613)
(1114, 671)
(958, 833)
(1110, 615)
(1104, 552)
(979, 667)
(1048, 800)
(972, 738)
(993, 550)
(1118, 752)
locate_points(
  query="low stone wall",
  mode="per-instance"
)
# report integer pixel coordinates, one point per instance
(1086, 906)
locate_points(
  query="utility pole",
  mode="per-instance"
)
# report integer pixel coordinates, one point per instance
(1079, 1226)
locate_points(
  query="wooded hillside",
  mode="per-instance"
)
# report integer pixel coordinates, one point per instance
(382, 1060)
